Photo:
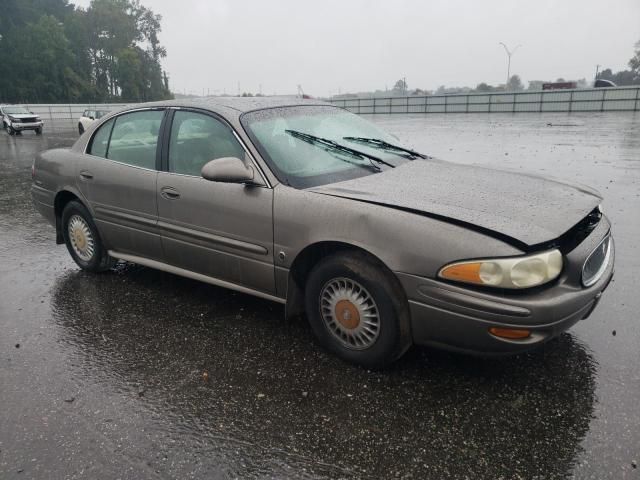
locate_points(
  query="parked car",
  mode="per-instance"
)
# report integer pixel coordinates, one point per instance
(16, 119)
(88, 117)
(311, 206)
(602, 83)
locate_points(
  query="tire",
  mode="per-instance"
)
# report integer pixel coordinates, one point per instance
(340, 291)
(80, 129)
(84, 244)
(39, 131)
(10, 130)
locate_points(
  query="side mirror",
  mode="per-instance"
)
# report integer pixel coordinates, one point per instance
(227, 170)
(91, 118)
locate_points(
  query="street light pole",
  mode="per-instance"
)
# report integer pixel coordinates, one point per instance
(509, 53)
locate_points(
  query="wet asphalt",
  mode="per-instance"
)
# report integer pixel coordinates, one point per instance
(138, 374)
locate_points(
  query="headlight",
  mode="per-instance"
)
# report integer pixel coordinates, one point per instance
(516, 272)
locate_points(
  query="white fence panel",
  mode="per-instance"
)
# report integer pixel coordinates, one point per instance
(577, 100)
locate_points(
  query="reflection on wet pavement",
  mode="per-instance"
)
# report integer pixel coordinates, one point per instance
(141, 374)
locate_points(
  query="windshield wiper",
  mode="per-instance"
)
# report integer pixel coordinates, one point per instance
(331, 145)
(376, 143)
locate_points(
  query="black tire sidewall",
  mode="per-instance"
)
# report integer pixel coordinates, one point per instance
(392, 340)
(96, 263)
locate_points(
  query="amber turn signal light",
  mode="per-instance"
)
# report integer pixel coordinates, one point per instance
(510, 333)
(463, 272)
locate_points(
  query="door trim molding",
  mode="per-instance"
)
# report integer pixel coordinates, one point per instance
(211, 238)
(195, 276)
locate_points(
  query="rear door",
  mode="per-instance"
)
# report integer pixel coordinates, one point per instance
(221, 230)
(118, 177)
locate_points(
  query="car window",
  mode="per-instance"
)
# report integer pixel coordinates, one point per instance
(100, 140)
(196, 139)
(134, 138)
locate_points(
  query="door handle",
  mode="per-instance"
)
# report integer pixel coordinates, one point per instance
(85, 175)
(170, 193)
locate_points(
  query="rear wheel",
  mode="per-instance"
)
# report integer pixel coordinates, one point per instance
(83, 240)
(358, 310)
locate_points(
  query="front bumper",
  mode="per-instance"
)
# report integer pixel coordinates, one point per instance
(18, 127)
(458, 318)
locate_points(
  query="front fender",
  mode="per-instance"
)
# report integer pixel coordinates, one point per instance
(404, 241)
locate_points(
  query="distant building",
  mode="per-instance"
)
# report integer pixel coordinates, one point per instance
(559, 85)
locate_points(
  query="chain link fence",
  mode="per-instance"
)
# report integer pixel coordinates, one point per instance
(578, 100)
(57, 116)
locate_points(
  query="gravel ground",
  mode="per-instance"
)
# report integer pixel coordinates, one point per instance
(139, 374)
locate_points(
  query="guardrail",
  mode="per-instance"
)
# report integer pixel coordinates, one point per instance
(65, 116)
(613, 99)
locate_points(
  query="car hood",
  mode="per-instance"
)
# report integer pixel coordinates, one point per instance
(528, 209)
(22, 115)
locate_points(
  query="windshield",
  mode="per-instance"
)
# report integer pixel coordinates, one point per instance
(302, 163)
(16, 110)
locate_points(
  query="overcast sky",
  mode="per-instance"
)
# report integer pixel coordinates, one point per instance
(356, 45)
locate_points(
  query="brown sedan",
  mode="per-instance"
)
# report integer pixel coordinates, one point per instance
(311, 206)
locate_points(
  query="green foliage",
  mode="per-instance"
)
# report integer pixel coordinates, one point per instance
(634, 63)
(484, 87)
(515, 84)
(625, 77)
(401, 85)
(51, 51)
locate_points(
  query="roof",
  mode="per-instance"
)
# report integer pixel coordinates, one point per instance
(239, 104)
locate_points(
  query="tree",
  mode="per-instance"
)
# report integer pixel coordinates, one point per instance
(110, 51)
(623, 77)
(483, 87)
(515, 84)
(634, 64)
(400, 86)
(44, 57)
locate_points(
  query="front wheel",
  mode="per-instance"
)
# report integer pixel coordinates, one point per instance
(83, 240)
(10, 130)
(39, 131)
(357, 309)
(80, 129)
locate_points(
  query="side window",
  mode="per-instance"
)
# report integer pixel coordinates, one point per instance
(100, 140)
(134, 139)
(197, 138)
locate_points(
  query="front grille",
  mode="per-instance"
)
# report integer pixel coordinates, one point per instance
(29, 120)
(597, 262)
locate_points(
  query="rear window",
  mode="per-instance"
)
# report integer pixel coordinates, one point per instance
(100, 141)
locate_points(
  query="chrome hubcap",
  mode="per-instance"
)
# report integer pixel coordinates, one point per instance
(81, 238)
(350, 313)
